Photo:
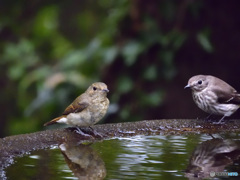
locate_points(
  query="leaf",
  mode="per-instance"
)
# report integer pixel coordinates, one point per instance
(109, 54)
(204, 41)
(125, 84)
(131, 51)
(150, 72)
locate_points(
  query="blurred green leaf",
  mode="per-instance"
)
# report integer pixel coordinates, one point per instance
(115, 15)
(73, 59)
(60, 46)
(109, 54)
(204, 40)
(124, 113)
(23, 51)
(130, 52)
(93, 47)
(125, 84)
(21, 56)
(154, 98)
(46, 23)
(35, 76)
(179, 40)
(17, 71)
(150, 72)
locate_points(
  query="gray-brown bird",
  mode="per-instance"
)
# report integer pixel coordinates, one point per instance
(213, 95)
(87, 109)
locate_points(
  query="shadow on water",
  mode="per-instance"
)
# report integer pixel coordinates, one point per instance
(151, 156)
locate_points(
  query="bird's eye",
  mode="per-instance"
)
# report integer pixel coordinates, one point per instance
(200, 82)
(94, 88)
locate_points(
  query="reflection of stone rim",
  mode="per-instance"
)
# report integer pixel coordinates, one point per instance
(212, 174)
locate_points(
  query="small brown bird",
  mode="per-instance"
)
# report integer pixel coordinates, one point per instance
(87, 109)
(213, 95)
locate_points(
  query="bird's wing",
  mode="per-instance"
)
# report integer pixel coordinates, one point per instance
(227, 95)
(78, 105)
(75, 107)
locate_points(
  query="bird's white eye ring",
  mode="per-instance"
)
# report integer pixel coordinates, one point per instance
(200, 82)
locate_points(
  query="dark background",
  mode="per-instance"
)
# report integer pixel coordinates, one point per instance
(145, 51)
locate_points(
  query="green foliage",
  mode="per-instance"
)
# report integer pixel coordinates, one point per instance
(130, 52)
(56, 49)
(203, 39)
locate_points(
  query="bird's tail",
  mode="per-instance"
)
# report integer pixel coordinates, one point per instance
(53, 121)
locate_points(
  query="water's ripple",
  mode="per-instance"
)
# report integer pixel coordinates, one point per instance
(139, 157)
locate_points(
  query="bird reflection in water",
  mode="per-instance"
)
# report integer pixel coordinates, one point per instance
(212, 156)
(84, 162)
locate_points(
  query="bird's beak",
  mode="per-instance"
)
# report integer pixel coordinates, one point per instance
(187, 86)
(105, 90)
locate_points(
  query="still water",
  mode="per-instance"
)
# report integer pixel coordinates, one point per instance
(139, 157)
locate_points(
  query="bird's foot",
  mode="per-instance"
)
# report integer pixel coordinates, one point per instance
(79, 131)
(95, 133)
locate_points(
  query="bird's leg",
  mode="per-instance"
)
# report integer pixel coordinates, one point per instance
(79, 131)
(94, 132)
(221, 121)
(207, 118)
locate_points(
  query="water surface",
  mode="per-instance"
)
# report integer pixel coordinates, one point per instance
(138, 157)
